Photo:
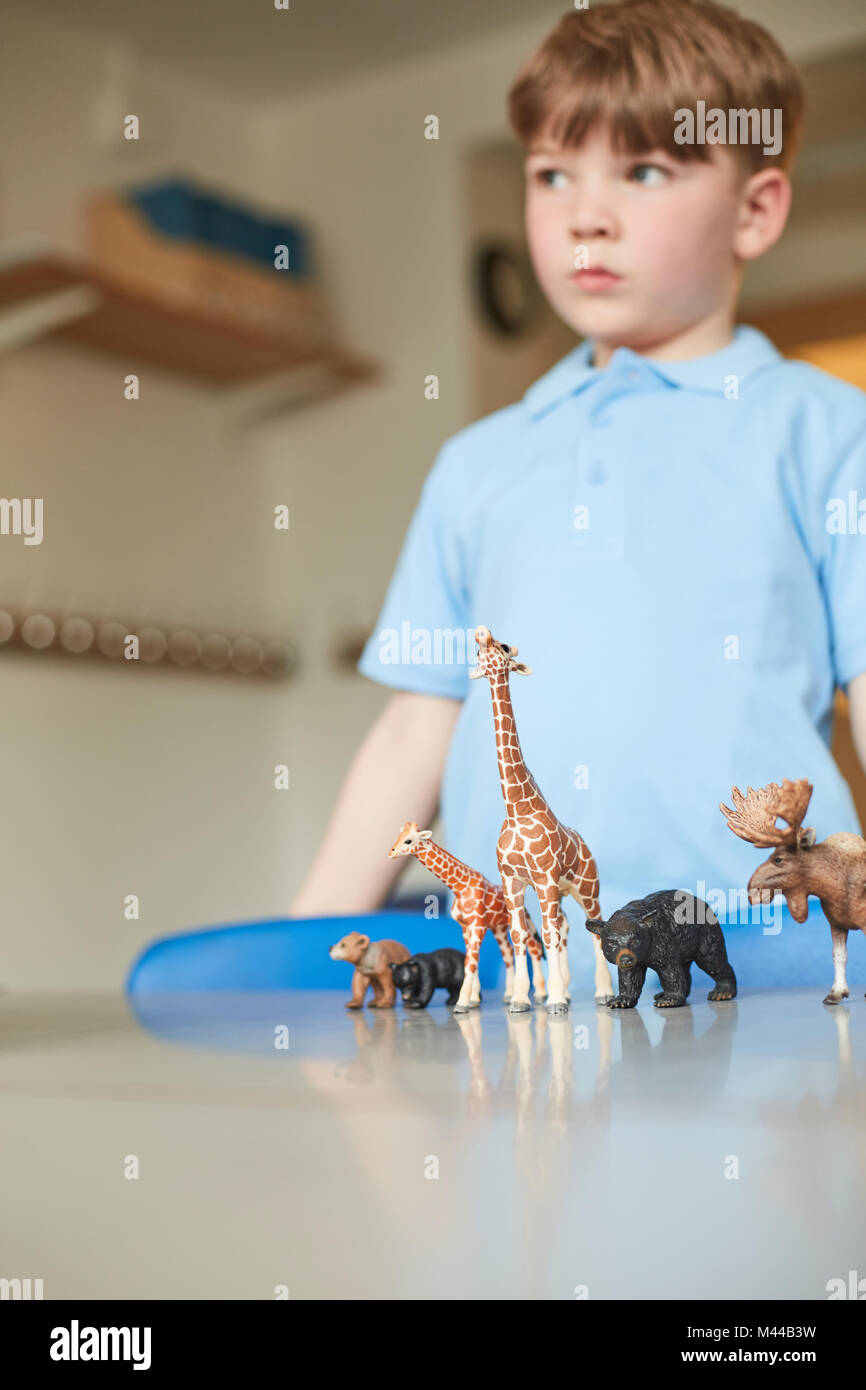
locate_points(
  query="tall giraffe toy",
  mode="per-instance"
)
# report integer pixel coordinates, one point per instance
(534, 848)
(478, 906)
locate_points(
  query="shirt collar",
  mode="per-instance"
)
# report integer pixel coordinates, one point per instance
(748, 352)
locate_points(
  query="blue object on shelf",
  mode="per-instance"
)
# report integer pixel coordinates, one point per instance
(169, 205)
(177, 208)
(227, 226)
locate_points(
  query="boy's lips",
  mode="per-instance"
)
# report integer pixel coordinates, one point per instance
(595, 279)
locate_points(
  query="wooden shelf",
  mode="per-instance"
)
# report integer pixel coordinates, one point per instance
(209, 345)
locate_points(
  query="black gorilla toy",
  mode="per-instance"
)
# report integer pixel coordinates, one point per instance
(665, 932)
(417, 977)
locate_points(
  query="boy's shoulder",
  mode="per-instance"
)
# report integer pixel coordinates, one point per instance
(830, 411)
(481, 453)
(507, 426)
(487, 447)
(821, 417)
(488, 431)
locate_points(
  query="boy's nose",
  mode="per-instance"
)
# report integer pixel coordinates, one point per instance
(588, 232)
(591, 218)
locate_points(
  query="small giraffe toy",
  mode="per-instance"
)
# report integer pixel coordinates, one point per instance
(534, 848)
(478, 906)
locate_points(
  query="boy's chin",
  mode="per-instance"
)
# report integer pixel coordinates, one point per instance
(605, 320)
(610, 326)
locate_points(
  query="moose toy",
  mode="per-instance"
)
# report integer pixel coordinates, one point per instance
(535, 849)
(833, 870)
(665, 932)
(478, 906)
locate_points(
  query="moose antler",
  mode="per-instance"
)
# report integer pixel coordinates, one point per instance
(755, 816)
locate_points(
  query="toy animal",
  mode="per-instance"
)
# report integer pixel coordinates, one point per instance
(534, 848)
(833, 870)
(417, 977)
(372, 961)
(665, 932)
(478, 906)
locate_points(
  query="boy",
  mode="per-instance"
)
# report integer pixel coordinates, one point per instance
(650, 523)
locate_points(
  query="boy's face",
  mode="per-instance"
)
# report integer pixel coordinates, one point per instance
(667, 233)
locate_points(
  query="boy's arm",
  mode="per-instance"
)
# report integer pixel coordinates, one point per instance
(395, 776)
(857, 712)
(396, 773)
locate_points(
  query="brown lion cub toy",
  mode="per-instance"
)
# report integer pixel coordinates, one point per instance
(372, 961)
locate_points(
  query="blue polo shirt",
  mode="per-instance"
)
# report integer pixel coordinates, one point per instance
(678, 550)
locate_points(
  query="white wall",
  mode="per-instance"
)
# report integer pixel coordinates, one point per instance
(127, 780)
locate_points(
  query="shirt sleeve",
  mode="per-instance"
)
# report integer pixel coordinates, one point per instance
(420, 641)
(845, 574)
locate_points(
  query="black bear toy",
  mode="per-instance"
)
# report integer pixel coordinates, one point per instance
(665, 932)
(417, 977)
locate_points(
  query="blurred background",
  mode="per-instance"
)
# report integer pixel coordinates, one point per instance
(166, 393)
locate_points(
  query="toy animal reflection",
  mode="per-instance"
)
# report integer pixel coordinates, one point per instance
(833, 870)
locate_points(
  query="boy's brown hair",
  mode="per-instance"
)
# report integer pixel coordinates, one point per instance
(629, 66)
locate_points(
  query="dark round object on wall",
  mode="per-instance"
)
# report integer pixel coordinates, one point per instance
(505, 288)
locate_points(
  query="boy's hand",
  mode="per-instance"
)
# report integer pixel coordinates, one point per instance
(395, 775)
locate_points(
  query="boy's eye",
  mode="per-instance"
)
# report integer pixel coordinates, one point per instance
(649, 175)
(546, 176)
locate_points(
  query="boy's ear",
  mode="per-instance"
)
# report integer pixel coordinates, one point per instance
(764, 207)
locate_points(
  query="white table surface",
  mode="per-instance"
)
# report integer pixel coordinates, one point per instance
(592, 1153)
